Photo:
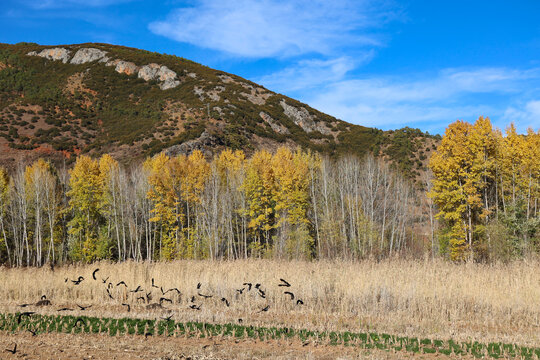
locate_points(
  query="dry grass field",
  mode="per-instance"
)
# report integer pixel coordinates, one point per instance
(433, 299)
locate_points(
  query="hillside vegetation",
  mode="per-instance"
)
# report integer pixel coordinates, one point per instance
(55, 103)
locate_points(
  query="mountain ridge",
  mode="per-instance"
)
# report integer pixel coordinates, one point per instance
(63, 100)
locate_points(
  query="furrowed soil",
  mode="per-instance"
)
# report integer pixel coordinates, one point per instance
(74, 347)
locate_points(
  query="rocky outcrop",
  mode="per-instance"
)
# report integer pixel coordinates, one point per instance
(203, 143)
(199, 92)
(86, 55)
(53, 54)
(161, 73)
(280, 129)
(167, 78)
(302, 118)
(123, 67)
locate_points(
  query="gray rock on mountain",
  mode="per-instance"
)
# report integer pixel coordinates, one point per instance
(166, 77)
(203, 142)
(86, 55)
(163, 74)
(53, 54)
(302, 118)
(280, 129)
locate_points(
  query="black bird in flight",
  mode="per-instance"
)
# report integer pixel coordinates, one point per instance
(299, 302)
(195, 307)
(105, 280)
(66, 280)
(162, 292)
(225, 301)
(164, 299)
(168, 318)
(265, 308)
(141, 298)
(78, 281)
(26, 313)
(262, 294)
(153, 285)
(198, 285)
(121, 283)
(94, 274)
(289, 293)
(173, 289)
(240, 290)
(204, 296)
(148, 296)
(128, 307)
(84, 307)
(32, 331)
(80, 319)
(257, 286)
(24, 305)
(193, 299)
(14, 350)
(109, 285)
(65, 309)
(285, 283)
(248, 285)
(109, 293)
(136, 290)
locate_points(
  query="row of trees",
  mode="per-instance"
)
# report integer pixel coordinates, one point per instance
(290, 204)
(487, 190)
(483, 203)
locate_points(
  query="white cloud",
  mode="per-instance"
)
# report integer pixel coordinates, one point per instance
(273, 28)
(524, 116)
(309, 73)
(451, 94)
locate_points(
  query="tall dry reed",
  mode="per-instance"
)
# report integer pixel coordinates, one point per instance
(415, 298)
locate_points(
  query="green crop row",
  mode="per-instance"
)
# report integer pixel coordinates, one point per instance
(132, 326)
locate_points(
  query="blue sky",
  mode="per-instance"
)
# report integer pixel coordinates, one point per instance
(386, 64)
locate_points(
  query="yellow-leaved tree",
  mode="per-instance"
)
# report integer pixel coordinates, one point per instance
(85, 199)
(166, 203)
(454, 187)
(259, 187)
(291, 198)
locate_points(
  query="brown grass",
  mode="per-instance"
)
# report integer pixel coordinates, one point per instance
(413, 298)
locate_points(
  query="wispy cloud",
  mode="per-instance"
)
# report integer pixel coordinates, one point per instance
(309, 73)
(274, 28)
(432, 101)
(526, 115)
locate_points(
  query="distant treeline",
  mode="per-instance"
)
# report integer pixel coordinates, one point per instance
(290, 204)
(482, 204)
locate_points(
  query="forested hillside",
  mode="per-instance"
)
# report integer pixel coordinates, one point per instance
(61, 101)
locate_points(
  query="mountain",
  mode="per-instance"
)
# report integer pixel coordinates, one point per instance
(63, 100)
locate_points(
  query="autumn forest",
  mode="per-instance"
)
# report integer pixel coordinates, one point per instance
(479, 200)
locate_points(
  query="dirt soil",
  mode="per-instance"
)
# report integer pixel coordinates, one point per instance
(85, 346)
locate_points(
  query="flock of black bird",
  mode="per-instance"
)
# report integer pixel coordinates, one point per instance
(147, 297)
